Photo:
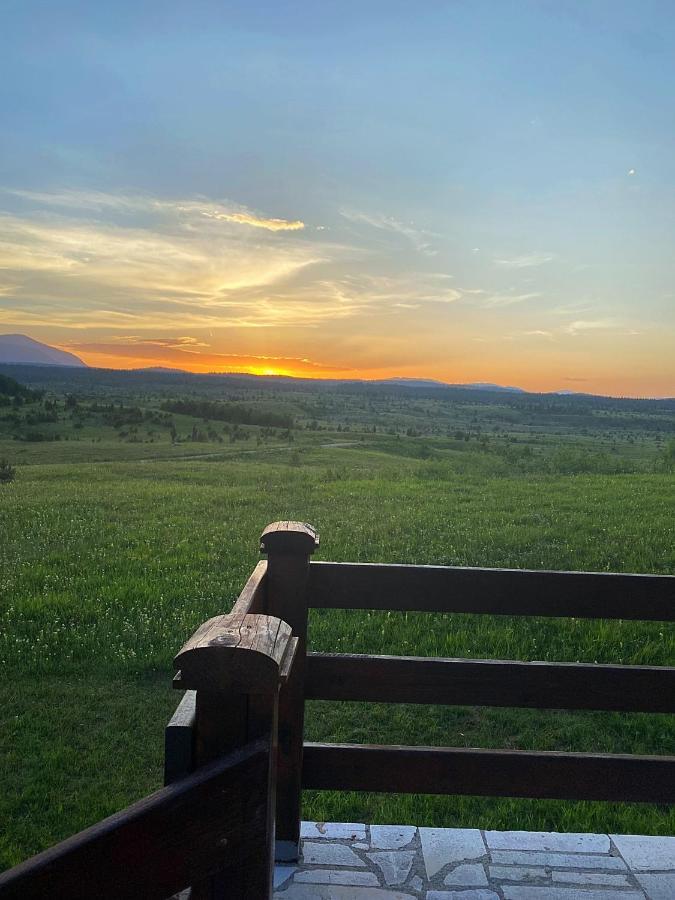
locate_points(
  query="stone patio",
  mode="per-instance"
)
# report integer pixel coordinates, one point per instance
(347, 861)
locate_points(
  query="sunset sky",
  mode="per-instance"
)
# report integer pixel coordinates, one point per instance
(467, 191)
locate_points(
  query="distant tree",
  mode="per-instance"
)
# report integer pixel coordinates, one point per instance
(666, 458)
(7, 472)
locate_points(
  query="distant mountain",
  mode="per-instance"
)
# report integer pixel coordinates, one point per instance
(432, 383)
(18, 349)
(162, 370)
(411, 382)
(488, 386)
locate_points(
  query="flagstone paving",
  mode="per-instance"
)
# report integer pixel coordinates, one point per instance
(351, 861)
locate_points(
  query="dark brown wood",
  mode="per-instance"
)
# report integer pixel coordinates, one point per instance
(236, 653)
(215, 819)
(253, 596)
(292, 538)
(451, 589)
(235, 663)
(179, 735)
(289, 546)
(489, 682)
(493, 773)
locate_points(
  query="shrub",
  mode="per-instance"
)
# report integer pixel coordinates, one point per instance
(7, 472)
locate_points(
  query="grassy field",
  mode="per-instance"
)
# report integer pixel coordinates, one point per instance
(113, 551)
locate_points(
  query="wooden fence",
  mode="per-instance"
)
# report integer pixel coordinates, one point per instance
(236, 760)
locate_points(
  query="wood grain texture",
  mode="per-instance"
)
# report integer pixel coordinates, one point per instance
(213, 820)
(494, 773)
(179, 739)
(294, 538)
(450, 589)
(488, 682)
(289, 546)
(235, 653)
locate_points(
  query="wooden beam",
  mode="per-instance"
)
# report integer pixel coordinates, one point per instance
(517, 592)
(179, 739)
(213, 820)
(289, 546)
(489, 682)
(489, 773)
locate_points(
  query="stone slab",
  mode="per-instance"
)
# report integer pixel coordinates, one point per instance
(443, 846)
(391, 837)
(644, 853)
(340, 892)
(532, 892)
(395, 865)
(592, 879)
(518, 873)
(556, 860)
(467, 875)
(282, 874)
(658, 887)
(462, 895)
(547, 840)
(333, 831)
(336, 876)
(330, 855)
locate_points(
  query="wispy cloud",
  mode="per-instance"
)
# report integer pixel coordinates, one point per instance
(181, 352)
(135, 203)
(526, 261)
(508, 298)
(580, 326)
(419, 238)
(257, 221)
(93, 259)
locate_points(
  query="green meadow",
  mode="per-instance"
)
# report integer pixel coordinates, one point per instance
(119, 537)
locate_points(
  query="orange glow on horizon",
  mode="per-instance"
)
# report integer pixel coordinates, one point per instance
(477, 371)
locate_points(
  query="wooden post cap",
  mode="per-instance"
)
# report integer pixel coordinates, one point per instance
(250, 653)
(289, 539)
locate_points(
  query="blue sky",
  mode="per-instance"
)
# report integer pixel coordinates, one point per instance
(482, 191)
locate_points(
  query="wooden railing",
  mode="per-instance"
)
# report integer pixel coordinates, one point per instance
(235, 756)
(211, 824)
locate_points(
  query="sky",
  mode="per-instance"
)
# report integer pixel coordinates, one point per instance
(467, 191)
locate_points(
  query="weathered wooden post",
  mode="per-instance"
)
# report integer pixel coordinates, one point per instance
(236, 663)
(289, 546)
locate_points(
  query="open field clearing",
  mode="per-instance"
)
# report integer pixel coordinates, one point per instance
(107, 568)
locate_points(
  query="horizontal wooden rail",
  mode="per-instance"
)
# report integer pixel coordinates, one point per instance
(494, 773)
(179, 739)
(487, 682)
(253, 595)
(212, 820)
(451, 589)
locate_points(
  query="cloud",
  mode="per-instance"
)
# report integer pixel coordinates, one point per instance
(580, 326)
(419, 238)
(508, 299)
(257, 222)
(525, 262)
(93, 259)
(134, 203)
(179, 352)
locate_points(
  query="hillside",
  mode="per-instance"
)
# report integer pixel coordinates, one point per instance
(19, 349)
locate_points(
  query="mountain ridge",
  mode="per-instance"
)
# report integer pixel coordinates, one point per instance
(19, 349)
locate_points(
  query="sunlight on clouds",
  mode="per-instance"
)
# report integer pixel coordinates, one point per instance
(139, 253)
(139, 351)
(257, 222)
(143, 203)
